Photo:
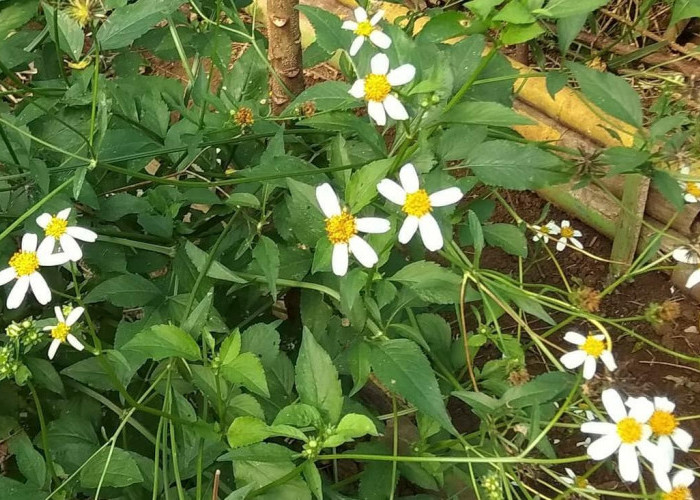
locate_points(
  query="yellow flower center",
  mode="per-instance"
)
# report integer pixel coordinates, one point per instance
(56, 228)
(376, 87)
(60, 332)
(567, 232)
(244, 117)
(693, 188)
(340, 228)
(593, 347)
(581, 482)
(629, 430)
(417, 204)
(81, 11)
(24, 263)
(678, 493)
(544, 230)
(663, 423)
(364, 28)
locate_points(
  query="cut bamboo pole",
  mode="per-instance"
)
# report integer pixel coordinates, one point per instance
(634, 200)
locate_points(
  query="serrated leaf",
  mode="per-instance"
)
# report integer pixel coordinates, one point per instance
(29, 461)
(267, 255)
(340, 121)
(92, 373)
(70, 34)
(230, 348)
(668, 186)
(568, 8)
(485, 113)
(542, 389)
(245, 431)
(329, 34)
(216, 270)
(126, 290)
(114, 468)
(430, 281)
(129, 22)
(45, 375)
(247, 370)
(260, 452)
(507, 237)
(362, 187)
(351, 426)
(325, 96)
(164, 341)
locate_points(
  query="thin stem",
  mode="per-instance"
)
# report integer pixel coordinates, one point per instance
(395, 447)
(44, 432)
(463, 327)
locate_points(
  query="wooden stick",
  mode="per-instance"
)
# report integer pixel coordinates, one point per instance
(284, 52)
(634, 200)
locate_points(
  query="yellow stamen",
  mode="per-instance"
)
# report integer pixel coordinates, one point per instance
(56, 227)
(376, 87)
(364, 28)
(544, 230)
(693, 188)
(567, 232)
(340, 228)
(24, 263)
(60, 332)
(663, 423)
(417, 204)
(581, 482)
(593, 347)
(81, 11)
(678, 493)
(629, 430)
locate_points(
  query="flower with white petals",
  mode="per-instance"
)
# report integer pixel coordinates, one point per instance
(56, 229)
(342, 228)
(677, 488)
(544, 232)
(664, 427)
(376, 87)
(568, 235)
(417, 204)
(24, 267)
(626, 434)
(590, 349)
(688, 255)
(60, 333)
(363, 28)
(578, 482)
(691, 190)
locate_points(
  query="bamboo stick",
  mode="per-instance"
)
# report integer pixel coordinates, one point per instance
(634, 200)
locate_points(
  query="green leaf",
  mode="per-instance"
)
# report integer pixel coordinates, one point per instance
(329, 34)
(568, 8)
(362, 187)
(299, 415)
(556, 80)
(482, 8)
(91, 372)
(259, 474)
(313, 479)
(164, 341)
(121, 204)
(507, 237)
(449, 24)
(14, 14)
(247, 370)
(610, 93)
(70, 34)
(260, 452)
(684, 9)
(515, 12)
(430, 281)
(482, 404)
(669, 187)
(351, 426)
(216, 270)
(340, 121)
(326, 96)
(121, 470)
(129, 22)
(247, 80)
(484, 113)
(230, 348)
(10, 488)
(126, 290)
(567, 29)
(402, 367)
(45, 375)
(542, 389)
(267, 255)
(29, 461)
(317, 379)
(519, 33)
(516, 166)
(245, 431)
(624, 160)
(477, 233)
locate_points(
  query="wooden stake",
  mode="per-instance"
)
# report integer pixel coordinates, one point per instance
(634, 200)
(284, 52)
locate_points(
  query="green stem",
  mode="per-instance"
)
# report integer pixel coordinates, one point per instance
(44, 432)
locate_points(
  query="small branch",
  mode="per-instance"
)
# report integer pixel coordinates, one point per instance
(284, 52)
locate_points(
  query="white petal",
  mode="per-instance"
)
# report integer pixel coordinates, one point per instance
(665, 453)
(570, 473)
(603, 447)
(693, 279)
(685, 255)
(43, 220)
(47, 245)
(19, 290)
(589, 365)
(356, 45)
(664, 404)
(394, 108)
(392, 191)
(408, 229)
(339, 260)
(573, 359)
(360, 14)
(614, 405)
(327, 200)
(685, 170)
(565, 223)
(364, 253)
(41, 290)
(59, 314)
(445, 197)
(358, 89)
(409, 178)
(574, 338)
(379, 64)
(74, 316)
(54, 259)
(372, 225)
(689, 198)
(63, 214)
(72, 340)
(608, 360)
(401, 75)
(82, 234)
(628, 463)
(684, 477)
(561, 244)
(380, 39)
(376, 18)
(602, 428)
(682, 438)
(576, 243)
(349, 25)
(53, 348)
(375, 110)
(661, 478)
(29, 241)
(430, 233)
(7, 275)
(641, 410)
(553, 228)
(71, 248)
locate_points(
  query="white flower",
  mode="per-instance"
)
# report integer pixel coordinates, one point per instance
(375, 88)
(544, 232)
(24, 267)
(688, 255)
(664, 426)
(342, 228)
(417, 204)
(568, 235)
(677, 488)
(590, 348)
(691, 190)
(61, 331)
(578, 482)
(56, 228)
(366, 28)
(626, 435)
